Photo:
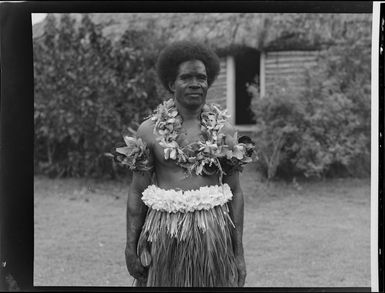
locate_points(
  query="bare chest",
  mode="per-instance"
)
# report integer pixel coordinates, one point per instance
(189, 135)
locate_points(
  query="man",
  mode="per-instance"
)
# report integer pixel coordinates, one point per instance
(185, 204)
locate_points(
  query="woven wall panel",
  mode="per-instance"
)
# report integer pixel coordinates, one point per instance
(290, 66)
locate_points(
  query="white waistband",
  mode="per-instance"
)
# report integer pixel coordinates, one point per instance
(172, 201)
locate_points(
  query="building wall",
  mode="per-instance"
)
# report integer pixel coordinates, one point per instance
(217, 91)
(288, 68)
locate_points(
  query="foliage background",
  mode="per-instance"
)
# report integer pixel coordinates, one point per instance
(87, 90)
(324, 131)
(89, 87)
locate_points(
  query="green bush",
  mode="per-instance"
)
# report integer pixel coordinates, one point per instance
(325, 131)
(87, 91)
(280, 123)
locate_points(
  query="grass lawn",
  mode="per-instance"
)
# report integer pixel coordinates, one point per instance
(306, 235)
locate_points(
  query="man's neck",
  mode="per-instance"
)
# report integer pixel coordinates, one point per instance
(189, 114)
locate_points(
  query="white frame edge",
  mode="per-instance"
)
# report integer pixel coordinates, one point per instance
(374, 148)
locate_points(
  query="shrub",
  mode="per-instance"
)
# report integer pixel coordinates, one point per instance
(87, 91)
(324, 131)
(279, 119)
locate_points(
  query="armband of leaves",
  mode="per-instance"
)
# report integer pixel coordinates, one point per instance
(238, 155)
(136, 155)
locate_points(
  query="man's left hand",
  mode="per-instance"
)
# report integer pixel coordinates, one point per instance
(241, 266)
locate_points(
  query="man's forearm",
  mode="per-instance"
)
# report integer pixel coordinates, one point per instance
(136, 213)
(237, 215)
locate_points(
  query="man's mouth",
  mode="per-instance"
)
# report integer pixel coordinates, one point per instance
(194, 95)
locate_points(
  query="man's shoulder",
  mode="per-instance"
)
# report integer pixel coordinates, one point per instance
(145, 130)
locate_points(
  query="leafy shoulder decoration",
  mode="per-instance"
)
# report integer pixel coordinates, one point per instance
(214, 152)
(135, 154)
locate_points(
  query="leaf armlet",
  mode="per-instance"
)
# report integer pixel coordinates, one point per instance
(241, 154)
(135, 154)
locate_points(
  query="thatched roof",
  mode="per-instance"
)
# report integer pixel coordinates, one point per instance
(228, 31)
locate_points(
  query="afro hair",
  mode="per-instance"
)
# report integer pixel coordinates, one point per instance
(175, 54)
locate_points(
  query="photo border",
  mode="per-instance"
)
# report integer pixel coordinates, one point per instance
(16, 127)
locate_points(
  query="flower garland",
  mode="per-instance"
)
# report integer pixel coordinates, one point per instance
(214, 149)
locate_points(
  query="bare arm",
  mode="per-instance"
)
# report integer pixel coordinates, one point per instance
(236, 209)
(136, 209)
(236, 205)
(136, 213)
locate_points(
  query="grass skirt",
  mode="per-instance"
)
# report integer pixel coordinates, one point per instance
(185, 249)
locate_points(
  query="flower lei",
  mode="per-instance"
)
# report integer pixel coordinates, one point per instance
(214, 149)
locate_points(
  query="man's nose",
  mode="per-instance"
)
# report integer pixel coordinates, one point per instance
(194, 83)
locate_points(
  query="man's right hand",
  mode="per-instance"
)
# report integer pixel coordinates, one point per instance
(134, 266)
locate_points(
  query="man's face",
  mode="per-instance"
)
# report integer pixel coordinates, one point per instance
(190, 86)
